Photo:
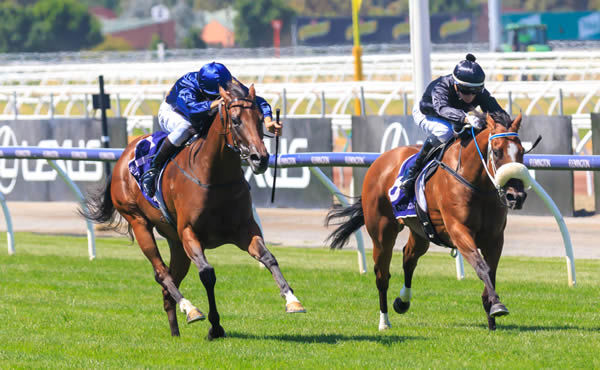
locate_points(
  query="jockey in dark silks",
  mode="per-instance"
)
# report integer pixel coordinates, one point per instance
(191, 101)
(444, 107)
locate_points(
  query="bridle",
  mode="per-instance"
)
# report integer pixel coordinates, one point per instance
(501, 192)
(229, 127)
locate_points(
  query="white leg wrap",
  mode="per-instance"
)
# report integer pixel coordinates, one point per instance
(290, 297)
(405, 294)
(384, 321)
(185, 306)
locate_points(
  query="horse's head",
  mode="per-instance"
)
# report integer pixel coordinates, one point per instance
(244, 120)
(504, 147)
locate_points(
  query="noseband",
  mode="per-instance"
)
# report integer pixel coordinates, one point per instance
(227, 123)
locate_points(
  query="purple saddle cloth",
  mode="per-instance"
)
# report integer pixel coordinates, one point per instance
(402, 205)
(145, 150)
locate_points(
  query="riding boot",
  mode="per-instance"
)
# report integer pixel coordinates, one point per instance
(408, 185)
(149, 177)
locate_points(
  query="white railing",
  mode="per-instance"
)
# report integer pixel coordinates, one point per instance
(546, 66)
(531, 97)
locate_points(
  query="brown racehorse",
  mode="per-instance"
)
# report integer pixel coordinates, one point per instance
(208, 197)
(468, 214)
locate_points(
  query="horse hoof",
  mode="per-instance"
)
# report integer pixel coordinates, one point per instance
(216, 332)
(498, 310)
(383, 327)
(401, 307)
(294, 307)
(195, 315)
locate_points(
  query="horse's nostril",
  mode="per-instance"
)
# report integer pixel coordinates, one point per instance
(254, 157)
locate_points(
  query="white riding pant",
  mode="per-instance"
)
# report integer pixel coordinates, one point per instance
(436, 126)
(174, 123)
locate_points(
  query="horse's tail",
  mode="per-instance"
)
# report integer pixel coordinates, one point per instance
(101, 210)
(339, 237)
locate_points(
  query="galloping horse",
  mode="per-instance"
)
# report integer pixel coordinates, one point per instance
(206, 194)
(466, 209)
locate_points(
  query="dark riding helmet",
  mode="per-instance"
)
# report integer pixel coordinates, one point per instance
(211, 76)
(468, 76)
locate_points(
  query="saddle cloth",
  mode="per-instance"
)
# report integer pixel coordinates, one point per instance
(144, 152)
(416, 206)
(402, 205)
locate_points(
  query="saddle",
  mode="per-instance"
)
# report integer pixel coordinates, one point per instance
(416, 206)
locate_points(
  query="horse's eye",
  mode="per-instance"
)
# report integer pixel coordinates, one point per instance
(498, 153)
(236, 121)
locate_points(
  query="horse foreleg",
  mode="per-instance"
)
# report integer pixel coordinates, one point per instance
(464, 241)
(259, 251)
(171, 293)
(208, 278)
(492, 257)
(415, 247)
(178, 269)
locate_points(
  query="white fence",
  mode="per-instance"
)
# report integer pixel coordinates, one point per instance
(531, 97)
(547, 66)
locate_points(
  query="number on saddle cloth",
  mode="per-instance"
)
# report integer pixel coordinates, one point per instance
(402, 205)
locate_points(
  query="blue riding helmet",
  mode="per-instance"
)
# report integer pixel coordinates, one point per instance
(468, 76)
(213, 75)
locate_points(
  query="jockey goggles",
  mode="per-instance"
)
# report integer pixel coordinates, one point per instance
(469, 90)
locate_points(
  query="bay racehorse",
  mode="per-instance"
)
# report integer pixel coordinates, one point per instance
(206, 194)
(466, 209)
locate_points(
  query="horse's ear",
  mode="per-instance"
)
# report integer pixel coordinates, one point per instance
(516, 124)
(251, 92)
(491, 124)
(224, 94)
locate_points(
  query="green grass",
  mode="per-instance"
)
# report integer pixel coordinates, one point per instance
(58, 309)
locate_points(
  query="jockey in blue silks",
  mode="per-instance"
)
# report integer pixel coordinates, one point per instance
(444, 107)
(191, 101)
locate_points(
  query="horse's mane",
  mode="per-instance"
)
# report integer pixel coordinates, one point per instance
(500, 117)
(236, 90)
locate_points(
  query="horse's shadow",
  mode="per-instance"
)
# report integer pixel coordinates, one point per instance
(549, 328)
(385, 340)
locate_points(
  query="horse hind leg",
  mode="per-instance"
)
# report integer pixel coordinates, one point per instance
(383, 235)
(415, 247)
(259, 251)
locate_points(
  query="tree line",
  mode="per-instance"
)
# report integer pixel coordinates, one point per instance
(66, 25)
(47, 26)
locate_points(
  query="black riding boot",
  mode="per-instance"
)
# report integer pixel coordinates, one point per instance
(149, 177)
(408, 185)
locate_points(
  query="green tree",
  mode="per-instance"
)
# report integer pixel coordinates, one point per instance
(193, 40)
(253, 21)
(14, 26)
(61, 25)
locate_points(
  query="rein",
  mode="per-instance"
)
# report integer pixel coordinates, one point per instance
(498, 189)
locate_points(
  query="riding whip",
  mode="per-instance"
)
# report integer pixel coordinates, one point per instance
(276, 153)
